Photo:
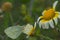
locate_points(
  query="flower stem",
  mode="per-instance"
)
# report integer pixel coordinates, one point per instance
(12, 22)
(6, 19)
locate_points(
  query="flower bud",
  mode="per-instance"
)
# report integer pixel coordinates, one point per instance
(6, 6)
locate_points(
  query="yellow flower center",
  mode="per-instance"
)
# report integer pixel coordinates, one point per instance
(48, 14)
(31, 32)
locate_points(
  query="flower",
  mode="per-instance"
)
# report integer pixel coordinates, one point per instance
(29, 29)
(48, 16)
(6, 6)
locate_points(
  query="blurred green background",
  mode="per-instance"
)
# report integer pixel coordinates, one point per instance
(27, 11)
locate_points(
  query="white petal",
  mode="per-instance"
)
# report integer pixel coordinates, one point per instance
(45, 25)
(59, 16)
(54, 4)
(59, 13)
(38, 19)
(40, 24)
(56, 21)
(51, 23)
(35, 25)
(27, 29)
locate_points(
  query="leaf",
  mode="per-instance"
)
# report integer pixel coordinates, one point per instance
(32, 38)
(13, 31)
(46, 37)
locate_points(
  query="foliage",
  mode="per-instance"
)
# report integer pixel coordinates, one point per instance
(24, 12)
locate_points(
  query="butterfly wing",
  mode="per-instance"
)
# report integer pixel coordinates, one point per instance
(14, 31)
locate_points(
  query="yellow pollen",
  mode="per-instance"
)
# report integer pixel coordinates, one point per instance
(31, 32)
(48, 14)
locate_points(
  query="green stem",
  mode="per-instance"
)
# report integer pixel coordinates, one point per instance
(7, 16)
(6, 19)
(12, 22)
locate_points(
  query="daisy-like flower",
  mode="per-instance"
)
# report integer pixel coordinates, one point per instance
(48, 16)
(29, 29)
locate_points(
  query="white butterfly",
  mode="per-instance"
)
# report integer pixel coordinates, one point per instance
(13, 31)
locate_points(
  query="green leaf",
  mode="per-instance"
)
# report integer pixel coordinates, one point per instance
(14, 31)
(46, 37)
(32, 38)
